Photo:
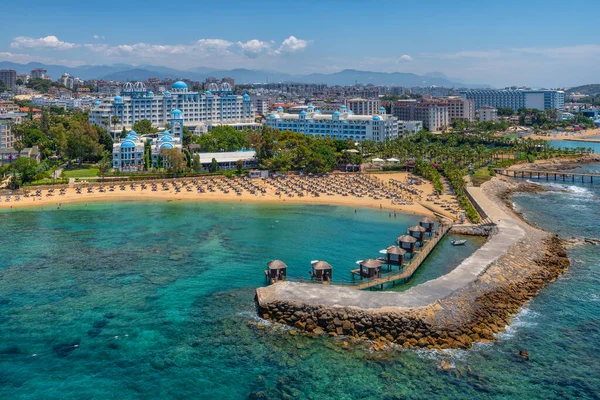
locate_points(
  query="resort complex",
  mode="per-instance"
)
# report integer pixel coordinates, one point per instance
(216, 106)
(342, 124)
(251, 201)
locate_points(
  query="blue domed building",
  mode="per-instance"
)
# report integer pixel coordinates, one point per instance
(218, 105)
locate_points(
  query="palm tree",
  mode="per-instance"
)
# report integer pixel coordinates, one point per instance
(115, 120)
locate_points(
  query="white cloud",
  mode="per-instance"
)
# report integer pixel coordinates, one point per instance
(48, 42)
(405, 57)
(98, 37)
(23, 58)
(253, 48)
(213, 45)
(291, 45)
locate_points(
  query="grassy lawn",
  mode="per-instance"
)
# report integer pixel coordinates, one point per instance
(86, 170)
(480, 176)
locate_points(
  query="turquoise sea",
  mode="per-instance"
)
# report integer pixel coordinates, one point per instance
(155, 300)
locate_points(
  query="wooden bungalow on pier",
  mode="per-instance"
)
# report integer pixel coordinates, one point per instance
(321, 271)
(418, 232)
(428, 223)
(370, 269)
(277, 271)
(394, 255)
(407, 243)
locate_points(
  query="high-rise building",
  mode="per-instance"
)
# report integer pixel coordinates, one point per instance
(364, 106)
(460, 109)
(9, 78)
(339, 125)
(67, 80)
(38, 73)
(433, 114)
(515, 99)
(7, 138)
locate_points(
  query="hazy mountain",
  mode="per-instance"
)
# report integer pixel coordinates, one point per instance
(124, 72)
(351, 76)
(590, 90)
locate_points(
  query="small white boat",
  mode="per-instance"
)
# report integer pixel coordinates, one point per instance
(458, 242)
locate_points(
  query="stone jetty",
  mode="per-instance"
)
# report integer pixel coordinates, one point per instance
(470, 304)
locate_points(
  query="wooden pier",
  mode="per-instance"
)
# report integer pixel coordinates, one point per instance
(558, 176)
(411, 268)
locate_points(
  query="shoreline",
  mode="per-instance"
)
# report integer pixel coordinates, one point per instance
(557, 163)
(587, 134)
(413, 204)
(463, 315)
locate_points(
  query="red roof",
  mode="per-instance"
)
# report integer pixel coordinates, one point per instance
(27, 109)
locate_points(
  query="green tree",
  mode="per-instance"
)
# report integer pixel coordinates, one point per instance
(105, 140)
(174, 160)
(197, 165)
(239, 166)
(26, 168)
(214, 166)
(105, 163)
(143, 127)
(82, 142)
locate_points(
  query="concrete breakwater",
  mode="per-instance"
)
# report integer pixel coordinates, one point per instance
(472, 303)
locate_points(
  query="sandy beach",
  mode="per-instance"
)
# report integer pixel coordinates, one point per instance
(415, 200)
(569, 135)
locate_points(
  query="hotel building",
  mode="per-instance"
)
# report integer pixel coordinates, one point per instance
(9, 78)
(218, 105)
(7, 138)
(515, 99)
(364, 106)
(433, 113)
(342, 124)
(460, 109)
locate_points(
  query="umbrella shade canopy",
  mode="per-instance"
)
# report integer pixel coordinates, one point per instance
(426, 220)
(393, 160)
(370, 263)
(407, 239)
(351, 151)
(377, 160)
(396, 250)
(276, 264)
(416, 228)
(320, 265)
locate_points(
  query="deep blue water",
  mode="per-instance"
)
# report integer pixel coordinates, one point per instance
(154, 300)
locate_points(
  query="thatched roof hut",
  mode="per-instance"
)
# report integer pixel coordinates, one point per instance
(407, 243)
(395, 255)
(321, 271)
(276, 264)
(428, 223)
(370, 268)
(277, 270)
(417, 232)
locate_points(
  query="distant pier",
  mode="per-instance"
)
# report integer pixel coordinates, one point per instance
(557, 176)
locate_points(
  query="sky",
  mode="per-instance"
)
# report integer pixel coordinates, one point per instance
(501, 43)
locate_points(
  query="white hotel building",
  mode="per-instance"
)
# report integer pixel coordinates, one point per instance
(216, 106)
(342, 124)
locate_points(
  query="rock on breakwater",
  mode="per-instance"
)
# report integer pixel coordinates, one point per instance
(474, 312)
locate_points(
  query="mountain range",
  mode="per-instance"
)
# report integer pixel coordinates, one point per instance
(124, 72)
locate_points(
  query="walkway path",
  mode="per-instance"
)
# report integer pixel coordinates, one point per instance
(509, 232)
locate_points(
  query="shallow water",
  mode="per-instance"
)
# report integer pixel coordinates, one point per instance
(141, 300)
(158, 296)
(573, 144)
